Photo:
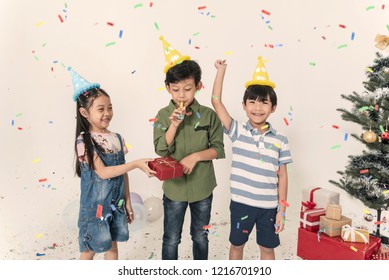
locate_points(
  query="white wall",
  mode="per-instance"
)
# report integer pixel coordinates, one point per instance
(36, 93)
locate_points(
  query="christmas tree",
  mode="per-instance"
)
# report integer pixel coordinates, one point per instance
(366, 177)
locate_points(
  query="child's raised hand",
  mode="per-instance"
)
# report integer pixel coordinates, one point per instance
(220, 64)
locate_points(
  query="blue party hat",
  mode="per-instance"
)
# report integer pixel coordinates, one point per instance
(80, 84)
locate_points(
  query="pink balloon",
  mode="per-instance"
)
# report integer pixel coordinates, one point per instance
(136, 198)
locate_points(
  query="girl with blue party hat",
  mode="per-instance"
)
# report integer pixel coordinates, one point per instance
(105, 204)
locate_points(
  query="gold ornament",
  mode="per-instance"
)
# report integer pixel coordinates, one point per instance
(369, 136)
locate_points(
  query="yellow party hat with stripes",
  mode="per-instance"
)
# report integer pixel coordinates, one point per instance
(260, 76)
(172, 56)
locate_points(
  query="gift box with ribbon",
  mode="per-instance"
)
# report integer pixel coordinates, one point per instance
(310, 219)
(333, 227)
(316, 246)
(334, 211)
(166, 168)
(318, 198)
(350, 234)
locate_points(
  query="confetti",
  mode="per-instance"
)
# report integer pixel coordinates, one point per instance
(345, 136)
(370, 8)
(156, 26)
(286, 121)
(312, 63)
(366, 211)
(39, 235)
(244, 218)
(201, 7)
(363, 171)
(110, 44)
(342, 46)
(39, 23)
(353, 248)
(385, 192)
(138, 5)
(352, 36)
(110, 23)
(42, 180)
(36, 160)
(245, 231)
(40, 255)
(60, 18)
(382, 128)
(207, 227)
(121, 201)
(237, 225)
(283, 202)
(99, 212)
(196, 125)
(342, 26)
(128, 146)
(153, 120)
(335, 147)
(266, 12)
(265, 126)
(335, 126)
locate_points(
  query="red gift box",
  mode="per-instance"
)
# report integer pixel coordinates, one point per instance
(318, 246)
(166, 168)
(310, 219)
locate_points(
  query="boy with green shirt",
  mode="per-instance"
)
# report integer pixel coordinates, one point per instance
(191, 134)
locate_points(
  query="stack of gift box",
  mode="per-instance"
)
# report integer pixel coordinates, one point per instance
(326, 234)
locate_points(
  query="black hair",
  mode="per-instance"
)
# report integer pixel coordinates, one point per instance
(85, 100)
(184, 70)
(259, 92)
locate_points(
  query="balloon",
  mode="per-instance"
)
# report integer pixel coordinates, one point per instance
(70, 214)
(136, 198)
(140, 215)
(154, 208)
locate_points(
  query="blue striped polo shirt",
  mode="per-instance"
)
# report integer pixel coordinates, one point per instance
(255, 163)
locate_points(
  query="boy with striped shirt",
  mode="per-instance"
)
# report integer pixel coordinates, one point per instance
(259, 179)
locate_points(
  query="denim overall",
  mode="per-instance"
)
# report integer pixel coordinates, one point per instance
(102, 217)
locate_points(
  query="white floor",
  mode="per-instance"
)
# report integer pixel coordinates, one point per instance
(145, 243)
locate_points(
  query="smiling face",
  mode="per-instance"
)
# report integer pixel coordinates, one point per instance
(183, 91)
(258, 111)
(99, 114)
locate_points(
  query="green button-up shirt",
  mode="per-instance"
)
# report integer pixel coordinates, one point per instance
(200, 131)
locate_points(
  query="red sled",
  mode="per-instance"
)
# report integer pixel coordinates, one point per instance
(319, 246)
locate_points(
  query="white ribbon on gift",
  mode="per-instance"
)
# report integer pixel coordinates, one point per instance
(305, 216)
(347, 230)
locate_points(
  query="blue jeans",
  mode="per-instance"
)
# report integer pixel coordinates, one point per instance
(174, 214)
